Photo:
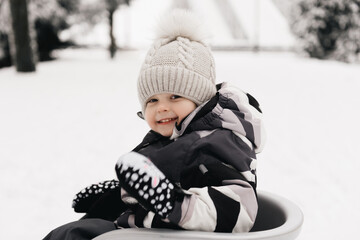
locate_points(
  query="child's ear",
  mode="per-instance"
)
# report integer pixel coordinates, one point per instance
(140, 115)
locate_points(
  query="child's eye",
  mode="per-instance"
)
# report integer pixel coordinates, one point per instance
(175, 96)
(152, 100)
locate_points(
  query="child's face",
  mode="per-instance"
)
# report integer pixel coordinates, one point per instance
(163, 110)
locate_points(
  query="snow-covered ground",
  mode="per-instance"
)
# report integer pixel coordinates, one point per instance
(64, 127)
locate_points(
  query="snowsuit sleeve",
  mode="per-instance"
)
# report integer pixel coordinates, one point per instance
(229, 208)
(225, 199)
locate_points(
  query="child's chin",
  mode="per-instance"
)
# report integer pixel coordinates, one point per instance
(166, 133)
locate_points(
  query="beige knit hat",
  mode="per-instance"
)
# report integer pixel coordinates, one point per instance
(179, 61)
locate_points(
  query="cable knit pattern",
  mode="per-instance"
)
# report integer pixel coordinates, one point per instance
(186, 53)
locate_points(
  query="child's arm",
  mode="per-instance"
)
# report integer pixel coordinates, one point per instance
(226, 208)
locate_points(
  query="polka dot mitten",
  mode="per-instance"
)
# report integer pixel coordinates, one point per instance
(83, 200)
(145, 182)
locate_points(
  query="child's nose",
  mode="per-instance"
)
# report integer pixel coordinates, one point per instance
(163, 107)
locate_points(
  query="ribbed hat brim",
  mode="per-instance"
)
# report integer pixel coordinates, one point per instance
(180, 81)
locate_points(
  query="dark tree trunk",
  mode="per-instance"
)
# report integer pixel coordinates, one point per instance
(112, 47)
(24, 58)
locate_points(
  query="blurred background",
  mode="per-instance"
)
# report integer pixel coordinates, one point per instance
(68, 100)
(315, 28)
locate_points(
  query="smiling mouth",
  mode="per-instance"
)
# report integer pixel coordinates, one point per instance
(167, 120)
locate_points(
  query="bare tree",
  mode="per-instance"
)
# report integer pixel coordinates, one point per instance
(112, 6)
(24, 57)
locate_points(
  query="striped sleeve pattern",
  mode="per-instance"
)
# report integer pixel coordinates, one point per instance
(230, 208)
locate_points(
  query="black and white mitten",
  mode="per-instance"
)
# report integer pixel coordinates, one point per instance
(145, 182)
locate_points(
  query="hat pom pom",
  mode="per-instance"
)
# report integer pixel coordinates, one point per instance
(182, 23)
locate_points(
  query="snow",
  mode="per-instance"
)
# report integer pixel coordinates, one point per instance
(63, 128)
(263, 23)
